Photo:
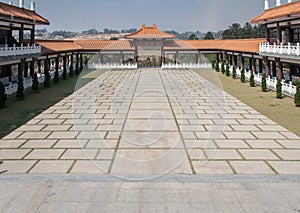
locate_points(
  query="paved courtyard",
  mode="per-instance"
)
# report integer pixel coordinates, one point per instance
(150, 122)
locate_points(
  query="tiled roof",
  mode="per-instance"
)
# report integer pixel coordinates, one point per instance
(97, 45)
(149, 32)
(237, 45)
(22, 14)
(57, 46)
(280, 12)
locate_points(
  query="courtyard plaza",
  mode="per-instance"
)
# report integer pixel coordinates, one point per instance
(150, 140)
(150, 121)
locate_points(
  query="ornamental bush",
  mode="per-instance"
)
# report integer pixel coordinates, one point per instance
(3, 95)
(47, 78)
(297, 96)
(77, 68)
(223, 67)
(64, 74)
(227, 70)
(71, 73)
(252, 82)
(214, 62)
(35, 82)
(243, 76)
(56, 76)
(20, 90)
(264, 87)
(234, 72)
(217, 67)
(279, 89)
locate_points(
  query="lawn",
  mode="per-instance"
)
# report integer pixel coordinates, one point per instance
(282, 111)
(16, 113)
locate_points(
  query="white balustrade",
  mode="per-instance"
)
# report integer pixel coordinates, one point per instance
(186, 66)
(289, 49)
(23, 50)
(112, 66)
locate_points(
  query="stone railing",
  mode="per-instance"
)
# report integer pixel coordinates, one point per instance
(23, 50)
(186, 66)
(289, 49)
(112, 66)
(288, 89)
(27, 82)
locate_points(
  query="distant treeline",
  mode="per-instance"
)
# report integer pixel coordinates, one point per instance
(235, 31)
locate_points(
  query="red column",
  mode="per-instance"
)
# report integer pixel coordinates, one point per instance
(267, 67)
(280, 75)
(278, 34)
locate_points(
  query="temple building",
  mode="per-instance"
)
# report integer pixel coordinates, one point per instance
(277, 56)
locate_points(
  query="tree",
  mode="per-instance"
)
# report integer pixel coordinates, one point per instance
(209, 36)
(279, 89)
(233, 32)
(227, 70)
(234, 72)
(193, 37)
(3, 95)
(297, 96)
(264, 87)
(35, 82)
(243, 77)
(252, 81)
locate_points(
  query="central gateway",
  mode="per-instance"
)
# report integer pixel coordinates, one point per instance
(149, 46)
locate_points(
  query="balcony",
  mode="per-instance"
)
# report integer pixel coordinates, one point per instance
(10, 53)
(283, 51)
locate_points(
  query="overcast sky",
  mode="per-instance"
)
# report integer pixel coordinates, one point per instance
(179, 15)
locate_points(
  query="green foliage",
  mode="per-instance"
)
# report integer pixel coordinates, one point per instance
(64, 74)
(71, 73)
(20, 90)
(279, 89)
(217, 66)
(81, 67)
(236, 31)
(209, 36)
(35, 82)
(252, 82)
(243, 76)
(3, 95)
(234, 72)
(56, 76)
(47, 78)
(193, 37)
(227, 70)
(213, 62)
(77, 68)
(297, 96)
(264, 87)
(223, 67)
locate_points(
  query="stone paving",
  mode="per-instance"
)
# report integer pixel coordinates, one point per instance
(154, 122)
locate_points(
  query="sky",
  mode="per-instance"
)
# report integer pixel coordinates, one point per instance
(179, 15)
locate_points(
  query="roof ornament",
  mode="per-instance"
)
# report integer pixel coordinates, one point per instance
(21, 3)
(278, 3)
(266, 4)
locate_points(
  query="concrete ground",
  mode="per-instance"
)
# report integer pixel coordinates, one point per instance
(141, 125)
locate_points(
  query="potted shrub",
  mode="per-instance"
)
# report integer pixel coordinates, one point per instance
(264, 87)
(252, 82)
(56, 76)
(35, 82)
(234, 72)
(279, 89)
(227, 70)
(3, 95)
(47, 78)
(297, 96)
(217, 67)
(20, 90)
(223, 67)
(243, 76)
